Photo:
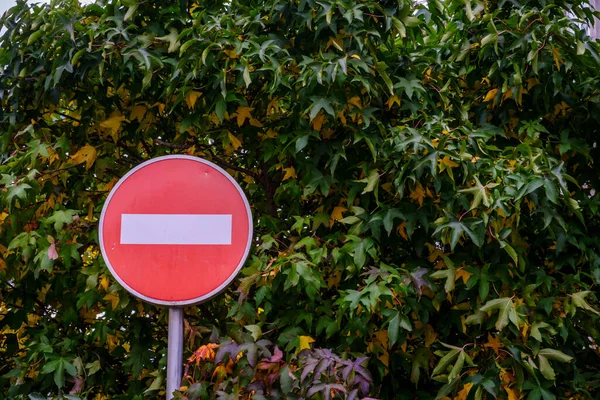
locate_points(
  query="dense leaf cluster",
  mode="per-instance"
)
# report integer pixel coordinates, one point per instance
(421, 177)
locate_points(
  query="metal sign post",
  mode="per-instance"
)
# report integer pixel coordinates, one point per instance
(174, 350)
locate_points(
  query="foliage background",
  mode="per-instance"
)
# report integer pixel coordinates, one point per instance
(422, 177)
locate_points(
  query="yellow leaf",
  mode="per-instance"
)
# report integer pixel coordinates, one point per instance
(317, 121)
(491, 95)
(271, 134)
(557, 58)
(109, 185)
(391, 101)
(342, 117)
(327, 134)
(243, 113)
(448, 162)
(214, 119)
(461, 273)
(401, 229)
(355, 101)
(531, 82)
(305, 342)
(87, 154)
(90, 216)
(383, 338)
(494, 343)
(235, 142)
(418, 193)
(512, 395)
(114, 124)
(334, 279)
(336, 214)
(113, 298)
(191, 97)
(464, 393)
(507, 95)
(355, 56)
(273, 106)
(112, 341)
(430, 335)
(255, 122)
(289, 173)
(231, 53)
(104, 282)
(385, 358)
(138, 113)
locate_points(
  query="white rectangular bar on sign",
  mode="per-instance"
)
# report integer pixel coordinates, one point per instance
(176, 228)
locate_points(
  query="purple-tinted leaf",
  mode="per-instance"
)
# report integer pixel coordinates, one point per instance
(252, 354)
(353, 395)
(277, 355)
(264, 345)
(358, 368)
(336, 386)
(52, 253)
(230, 349)
(363, 384)
(364, 372)
(324, 364)
(346, 371)
(316, 388)
(417, 279)
(309, 367)
(257, 386)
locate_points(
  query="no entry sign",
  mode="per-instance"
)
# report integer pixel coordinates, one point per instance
(175, 230)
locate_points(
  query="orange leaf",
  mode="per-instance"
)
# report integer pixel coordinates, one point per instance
(461, 273)
(430, 335)
(464, 393)
(512, 394)
(491, 95)
(401, 229)
(317, 121)
(494, 343)
(336, 214)
(191, 97)
(418, 194)
(289, 173)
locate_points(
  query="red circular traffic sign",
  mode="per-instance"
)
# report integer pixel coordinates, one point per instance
(175, 230)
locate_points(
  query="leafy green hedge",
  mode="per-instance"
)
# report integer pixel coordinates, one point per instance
(422, 177)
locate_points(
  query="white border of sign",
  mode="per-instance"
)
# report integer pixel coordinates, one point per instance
(196, 300)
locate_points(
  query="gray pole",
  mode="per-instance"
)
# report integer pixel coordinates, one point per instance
(174, 350)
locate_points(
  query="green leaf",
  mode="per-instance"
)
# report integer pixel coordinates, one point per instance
(506, 311)
(255, 330)
(18, 191)
(394, 329)
(371, 181)
(546, 368)
(285, 379)
(445, 362)
(579, 301)
(301, 143)
(320, 103)
(557, 355)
